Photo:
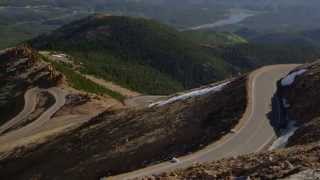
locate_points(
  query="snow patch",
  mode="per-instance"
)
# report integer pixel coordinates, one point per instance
(282, 141)
(195, 93)
(288, 80)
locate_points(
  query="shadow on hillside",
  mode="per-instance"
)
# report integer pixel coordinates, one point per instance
(277, 115)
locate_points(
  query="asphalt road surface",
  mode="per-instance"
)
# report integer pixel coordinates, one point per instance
(253, 133)
(30, 103)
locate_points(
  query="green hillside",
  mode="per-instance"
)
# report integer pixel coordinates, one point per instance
(137, 53)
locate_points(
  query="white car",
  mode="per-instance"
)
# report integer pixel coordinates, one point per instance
(233, 131)
(174, 160)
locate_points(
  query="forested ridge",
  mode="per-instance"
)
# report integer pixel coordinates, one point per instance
(153, 58)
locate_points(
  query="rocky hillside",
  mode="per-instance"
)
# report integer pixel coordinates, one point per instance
(118, 141)
(300, 159)
(303, 97)
(21, 69)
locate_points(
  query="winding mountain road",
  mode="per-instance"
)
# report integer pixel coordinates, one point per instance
(253, 133)
(12, 137)
(30, 105)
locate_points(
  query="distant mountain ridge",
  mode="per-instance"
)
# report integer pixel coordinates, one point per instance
(153, 58)
(138, 53)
